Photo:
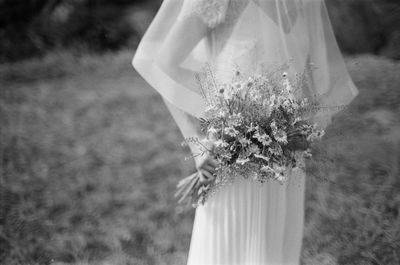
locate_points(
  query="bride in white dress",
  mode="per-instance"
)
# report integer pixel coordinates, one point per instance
(245, 223)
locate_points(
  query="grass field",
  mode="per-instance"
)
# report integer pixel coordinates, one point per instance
(90, 158)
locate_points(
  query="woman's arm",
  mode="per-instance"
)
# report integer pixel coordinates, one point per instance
(184, 36)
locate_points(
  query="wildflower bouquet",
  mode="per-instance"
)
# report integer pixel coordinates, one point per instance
(258, 126)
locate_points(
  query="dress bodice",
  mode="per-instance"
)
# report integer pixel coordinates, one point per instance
(246, 34)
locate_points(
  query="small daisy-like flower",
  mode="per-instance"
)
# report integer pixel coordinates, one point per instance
(222, 113)
(252, 128)
(263, 138)
(267, 169)
(279, 172)
(274, 128)
(244, 141)
(210, 108)
(275, 150)
(231, 131)
(287, 104)
(235, 120)
(226, 156)
(221, 143)
(281, 136)
(212, 133)
(228, 94)
(254, 149)
(304, 103)
(281, 100)
(280, 178)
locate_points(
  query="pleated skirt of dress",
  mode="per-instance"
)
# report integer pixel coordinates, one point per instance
(249, 223)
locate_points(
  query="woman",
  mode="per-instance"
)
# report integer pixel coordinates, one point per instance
(244, 223)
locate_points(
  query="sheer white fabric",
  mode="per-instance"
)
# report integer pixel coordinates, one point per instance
(211, 12)
(249, 33)
(247, 224)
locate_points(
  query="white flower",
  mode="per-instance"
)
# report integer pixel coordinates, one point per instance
(288, 105)
(222, 113)
(212, 133)
(281, 100)
(281, 136)
(254, 149)
(252, 128)
(221, 143)
(244, 141)
(275, 150)
(263, 138)
(304, 103)
(242, 161)
(231, 131)
(274, 127)
(279, 173)
(228, 93)
(280, 178)
(267, 169)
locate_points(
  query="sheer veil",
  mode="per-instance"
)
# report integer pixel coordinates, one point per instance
(247, 34)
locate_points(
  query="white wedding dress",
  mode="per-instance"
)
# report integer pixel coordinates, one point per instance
(248, 223)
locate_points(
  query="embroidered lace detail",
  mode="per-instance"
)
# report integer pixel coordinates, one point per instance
(214, 12)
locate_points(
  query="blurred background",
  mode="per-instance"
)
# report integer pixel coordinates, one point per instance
(90, 155)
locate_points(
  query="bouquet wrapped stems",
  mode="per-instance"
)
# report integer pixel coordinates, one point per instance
(192, 187)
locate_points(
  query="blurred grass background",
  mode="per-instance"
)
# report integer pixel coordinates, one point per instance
(33, 27)
(90, 156)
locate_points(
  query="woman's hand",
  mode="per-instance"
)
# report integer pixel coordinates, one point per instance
(206, 164)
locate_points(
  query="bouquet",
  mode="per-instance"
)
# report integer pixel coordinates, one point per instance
(258, 126)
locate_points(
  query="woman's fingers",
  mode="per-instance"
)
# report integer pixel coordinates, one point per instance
(207, 161)
(207, 175)
(209, 168)
(202, 177)
(212, 162)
